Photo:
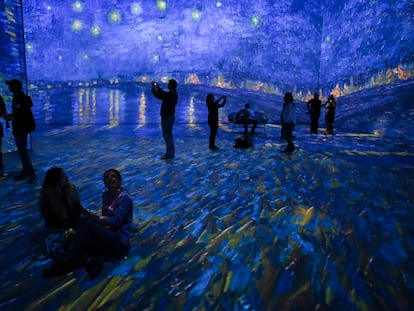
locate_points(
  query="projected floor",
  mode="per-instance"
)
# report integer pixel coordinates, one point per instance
(327, 228)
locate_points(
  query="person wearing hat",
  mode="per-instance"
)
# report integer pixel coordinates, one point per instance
(169, 101)
(23, 123)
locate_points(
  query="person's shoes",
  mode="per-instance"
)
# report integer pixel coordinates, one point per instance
(32, 179)
(166, 157)
(57, 269)
(213, 148)
(94, 267)
(291, 150)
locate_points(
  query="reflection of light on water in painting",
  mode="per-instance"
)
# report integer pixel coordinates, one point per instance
(114, 108)
(142, 107)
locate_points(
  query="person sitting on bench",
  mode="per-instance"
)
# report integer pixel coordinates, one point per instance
(246, 116)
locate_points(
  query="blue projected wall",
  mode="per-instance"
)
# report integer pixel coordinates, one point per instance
(366, 43)
(269, 46)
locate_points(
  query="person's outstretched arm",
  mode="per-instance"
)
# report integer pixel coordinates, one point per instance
(223, 100)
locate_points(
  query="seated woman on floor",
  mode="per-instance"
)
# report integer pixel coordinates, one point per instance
(60, 208)
(106, 237)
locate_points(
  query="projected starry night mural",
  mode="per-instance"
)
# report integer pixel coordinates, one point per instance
(328, 227)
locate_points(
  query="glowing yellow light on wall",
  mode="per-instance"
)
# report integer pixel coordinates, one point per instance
(219, 4)
(96, 30)
(156, 58)
(162, 5)
(85, 56)
(255, 21)
(114, 16)
(76, 25)
(77, 6)
(196, 15)
(136, 9)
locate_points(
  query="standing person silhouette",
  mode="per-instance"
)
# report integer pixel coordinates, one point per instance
(330, 106)
(169, 101)
(314, 108)
(289, 121)
(3, 113)
(213, 117)
(23, 124)
(282, 124)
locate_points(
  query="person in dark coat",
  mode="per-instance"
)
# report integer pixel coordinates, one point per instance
(169, 101)
(314, 108)
(213, 117)
(23, 124)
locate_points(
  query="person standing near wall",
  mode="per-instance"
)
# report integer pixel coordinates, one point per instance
(314, 108)
(169, 101)
(3, 113)
(213, 117)
(330, 106)
(23, 124)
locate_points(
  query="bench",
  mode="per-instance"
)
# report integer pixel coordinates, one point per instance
(238, 118)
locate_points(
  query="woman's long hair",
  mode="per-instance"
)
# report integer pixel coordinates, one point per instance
(50, 187)
(52, 177)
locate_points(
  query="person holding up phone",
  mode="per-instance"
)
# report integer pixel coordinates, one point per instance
(213, 117)
(169, 101)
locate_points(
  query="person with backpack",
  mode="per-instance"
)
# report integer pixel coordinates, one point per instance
(23, 124)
